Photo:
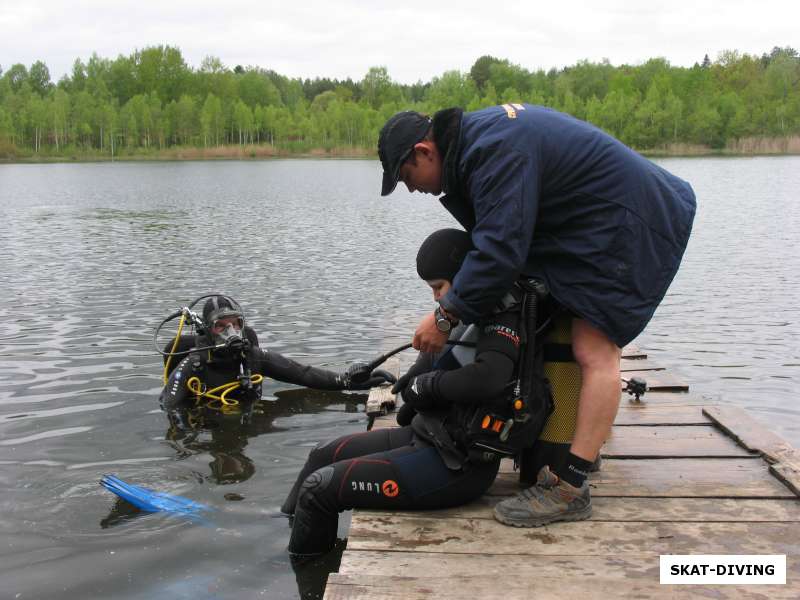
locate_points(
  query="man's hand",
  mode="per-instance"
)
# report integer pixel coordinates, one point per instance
(427, 338)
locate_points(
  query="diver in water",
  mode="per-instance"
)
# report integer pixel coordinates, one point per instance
(447, 451)
(223, 368)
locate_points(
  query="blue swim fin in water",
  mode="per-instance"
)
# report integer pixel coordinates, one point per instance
(152, 501)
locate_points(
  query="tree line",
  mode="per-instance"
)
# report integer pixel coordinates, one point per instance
(152, 100)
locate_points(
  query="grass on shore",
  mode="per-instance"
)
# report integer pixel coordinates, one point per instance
(9, 153)
(751, 146)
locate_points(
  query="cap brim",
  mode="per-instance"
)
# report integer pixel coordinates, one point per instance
(389, 183)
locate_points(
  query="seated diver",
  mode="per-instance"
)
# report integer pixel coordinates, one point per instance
(430, 461)
(225, 368)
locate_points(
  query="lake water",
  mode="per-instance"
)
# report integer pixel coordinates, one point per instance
(94, 255)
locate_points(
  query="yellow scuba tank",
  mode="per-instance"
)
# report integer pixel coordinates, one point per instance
(564, 375)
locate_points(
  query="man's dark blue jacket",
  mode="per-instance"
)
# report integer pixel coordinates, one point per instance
(546, 195)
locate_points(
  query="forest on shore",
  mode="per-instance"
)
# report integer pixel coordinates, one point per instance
(152, 104)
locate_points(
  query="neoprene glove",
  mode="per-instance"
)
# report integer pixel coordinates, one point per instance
(419, 391)
(405, 415)
(376, 377)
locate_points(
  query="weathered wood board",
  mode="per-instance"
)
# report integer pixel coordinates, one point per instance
(632, 351)
(632, 509)
(639, 364)
(581, 584)
(656, 413)
(593, 538)
(670, 441)
(679, 477)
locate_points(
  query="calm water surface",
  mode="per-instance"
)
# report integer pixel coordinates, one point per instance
(94, 255)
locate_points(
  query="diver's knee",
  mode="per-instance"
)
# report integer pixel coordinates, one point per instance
(321, 455)
(316, 451)
(314, 488)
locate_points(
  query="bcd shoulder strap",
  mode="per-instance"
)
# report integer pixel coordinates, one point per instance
(516, 424)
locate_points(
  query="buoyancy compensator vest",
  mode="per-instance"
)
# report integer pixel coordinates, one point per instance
(507, 427)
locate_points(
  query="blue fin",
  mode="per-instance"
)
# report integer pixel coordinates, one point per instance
(149, 500)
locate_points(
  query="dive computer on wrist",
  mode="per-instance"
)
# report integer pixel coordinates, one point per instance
(443, 323)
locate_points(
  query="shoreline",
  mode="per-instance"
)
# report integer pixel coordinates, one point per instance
(753, 148)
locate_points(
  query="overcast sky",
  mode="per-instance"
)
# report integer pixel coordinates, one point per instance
(415, 40)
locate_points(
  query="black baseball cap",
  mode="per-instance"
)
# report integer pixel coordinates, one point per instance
(396, 142)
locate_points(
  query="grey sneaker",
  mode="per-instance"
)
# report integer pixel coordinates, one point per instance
(548, 501)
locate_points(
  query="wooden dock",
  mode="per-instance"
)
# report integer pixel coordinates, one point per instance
(678, 477)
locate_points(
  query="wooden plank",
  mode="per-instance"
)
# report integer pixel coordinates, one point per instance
(639, 364)
(788, 474)
(677, 478)
(632, 351)
(652, 413)
(380, 401)
(700, 510)
(505, 584)
(669, 442)
(658, 381)
(665, 397)
(739, 425)
(613, 566)
(750, 434)
(597, 538)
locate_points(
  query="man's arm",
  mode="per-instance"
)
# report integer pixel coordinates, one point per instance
(287, 370)
(505, 195)
(481, 381)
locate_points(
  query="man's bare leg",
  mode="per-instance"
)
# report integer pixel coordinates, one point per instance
(564, 495)
(598, 358)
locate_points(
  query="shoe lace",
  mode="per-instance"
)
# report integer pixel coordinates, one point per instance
(535, 491)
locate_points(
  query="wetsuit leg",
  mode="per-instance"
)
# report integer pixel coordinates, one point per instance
(348, 446)
(409, 477)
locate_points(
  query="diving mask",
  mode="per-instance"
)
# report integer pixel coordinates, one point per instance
(227, 330)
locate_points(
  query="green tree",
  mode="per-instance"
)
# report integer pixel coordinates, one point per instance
(16, 76)
(480, 71)
(503, 75)
(490, 97)
(378, 88)
(184, 119)
(451, 89)
(243, 118)
(161, 69)
(211, 120)
(38, 113)
(59, 113)
(255, 87)
(121, 79)
(6, 127)
(39, 77)
(78, 80)
(83, 111)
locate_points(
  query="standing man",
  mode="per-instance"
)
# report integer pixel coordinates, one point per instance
(546, 195)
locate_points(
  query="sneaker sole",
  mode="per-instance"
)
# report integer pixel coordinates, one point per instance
(541, 522)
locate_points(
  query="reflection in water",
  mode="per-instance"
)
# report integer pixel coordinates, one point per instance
(224, 437)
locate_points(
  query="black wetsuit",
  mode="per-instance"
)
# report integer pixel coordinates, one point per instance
(220, 367)
(404, 468)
